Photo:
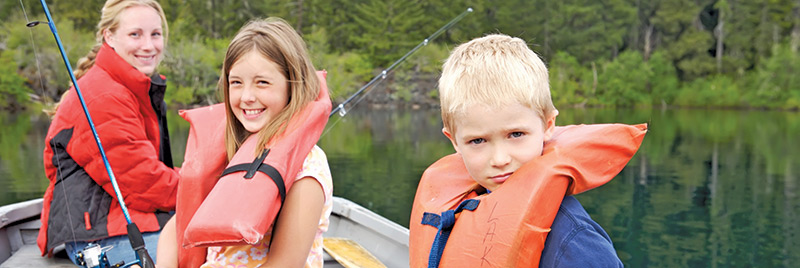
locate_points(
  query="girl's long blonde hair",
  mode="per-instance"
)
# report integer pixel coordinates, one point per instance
(280, 43)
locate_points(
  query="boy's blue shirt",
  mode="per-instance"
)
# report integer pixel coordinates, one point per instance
(575, 240)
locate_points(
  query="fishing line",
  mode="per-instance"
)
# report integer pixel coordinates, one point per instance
(85, 110)
(358, 97)
(57, 152)
(66, 195)
(23, 12)
(135, 237)
(45, 98)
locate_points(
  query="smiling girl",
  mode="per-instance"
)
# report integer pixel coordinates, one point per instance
(268, 84)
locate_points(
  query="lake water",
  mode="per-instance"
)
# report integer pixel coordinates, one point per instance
(708, 188)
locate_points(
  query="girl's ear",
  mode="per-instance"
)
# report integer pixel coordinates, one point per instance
(550, 125)
(108, 38)
(451, 137)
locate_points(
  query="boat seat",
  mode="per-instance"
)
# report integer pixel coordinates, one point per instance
(29, 256)
(349, 253)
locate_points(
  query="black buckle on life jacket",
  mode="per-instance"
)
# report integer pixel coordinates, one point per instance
(258, 165)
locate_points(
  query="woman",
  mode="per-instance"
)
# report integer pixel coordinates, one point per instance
(124, 95)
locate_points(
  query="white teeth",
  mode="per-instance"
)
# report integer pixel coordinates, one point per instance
(251, 112)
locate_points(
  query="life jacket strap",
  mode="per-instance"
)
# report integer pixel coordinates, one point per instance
(258, 165)
(270, 171)
(444, 223)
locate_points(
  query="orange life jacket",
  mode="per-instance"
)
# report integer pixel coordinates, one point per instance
(508, 227)
(238, 207)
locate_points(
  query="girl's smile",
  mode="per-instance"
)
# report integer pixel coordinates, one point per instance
(250, 114)
(258, 90)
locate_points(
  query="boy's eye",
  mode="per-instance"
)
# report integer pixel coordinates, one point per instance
(516, 134)
(476, 141)
(134, 34)
(156, 34)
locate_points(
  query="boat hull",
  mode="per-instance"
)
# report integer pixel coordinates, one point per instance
(384, 239)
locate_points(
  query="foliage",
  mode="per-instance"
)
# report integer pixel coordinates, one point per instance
(192, 68)
(776, 81)
(664, 82)
(75, 12)
(37, 56)
(570, 82)
(592, 35)
(408, 82)
(624, 81)
(591, 46)
(13, 91)
(345, 70)
(714, 91)
(395, 21)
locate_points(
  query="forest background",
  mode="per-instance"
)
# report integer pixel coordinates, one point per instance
(613, 53)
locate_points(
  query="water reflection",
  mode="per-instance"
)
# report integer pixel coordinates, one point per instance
(708, 188)
(21, 167)
(378, 157)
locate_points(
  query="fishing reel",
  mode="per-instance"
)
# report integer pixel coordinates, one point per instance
(94, 256)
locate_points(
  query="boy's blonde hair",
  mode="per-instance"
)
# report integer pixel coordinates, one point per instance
(494, 70)
(276, 40)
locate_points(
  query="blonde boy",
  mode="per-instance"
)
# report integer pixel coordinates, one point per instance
(497, 112)
(496, 106)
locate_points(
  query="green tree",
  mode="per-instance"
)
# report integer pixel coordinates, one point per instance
(439, 13)
(751, 29)
(7, 8)
(533, 28)
(579, 29)
(776, 83)
(209, 18)
(682, 35)
(336, 17)
(13, 91)
(712, 91)
(346, 71)
(83, 14)
(192, 68)
(37, 57)
(623, 82)
(387, 29)
(663, 84)
(570, 82)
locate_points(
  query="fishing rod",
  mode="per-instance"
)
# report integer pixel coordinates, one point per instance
(93, 255)
(382, 76)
